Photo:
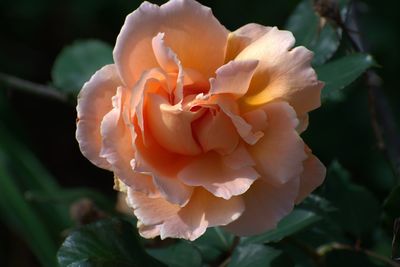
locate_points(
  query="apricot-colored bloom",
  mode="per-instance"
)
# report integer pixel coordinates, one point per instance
(201, 125)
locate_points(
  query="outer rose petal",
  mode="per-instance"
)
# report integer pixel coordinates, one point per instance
(282, 72)
(312, 176)
(189, 222)
(280, 152)
(148, 231)
(191, 31)
(303, 123)
(117, 147)
(265, 206)
(242, 37)
(222, 180)
(94, 101)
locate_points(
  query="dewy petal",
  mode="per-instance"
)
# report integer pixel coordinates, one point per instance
(189, 222)
(265, 206)
(282, 73)
(94, 101)
(191, 31)
(117, 148)
(242, 37)
(211, 172)
(233, 78)
(313, 175)
(280, 152)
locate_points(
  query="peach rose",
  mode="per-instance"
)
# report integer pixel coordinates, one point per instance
(201, 125)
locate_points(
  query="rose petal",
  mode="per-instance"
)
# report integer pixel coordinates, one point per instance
(163, 166)
(210, 172)
(94, 101)
(233, 78)
(215, 131)
(313, 175)
(151, 211)
(244, 129)
(169, 61)
(150, 81)
(242, 37)
(189, 222)
(257, 119)
(149, 231)
(173, 190)
(189, 30)
(265, 206)
(171, 126)
(282, 72)
(280, 152)
(165, 57)
(117, 149)
(303, 123)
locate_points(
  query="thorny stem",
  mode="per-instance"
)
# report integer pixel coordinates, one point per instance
(34, 88)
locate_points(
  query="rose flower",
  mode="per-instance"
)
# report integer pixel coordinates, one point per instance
(201, 125)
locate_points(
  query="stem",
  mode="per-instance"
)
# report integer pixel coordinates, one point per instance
(382, 119)
(308, 250)
(229, 253)
(34, 88)
(337, 246)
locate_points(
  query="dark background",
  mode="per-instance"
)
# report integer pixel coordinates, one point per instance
(33, 32)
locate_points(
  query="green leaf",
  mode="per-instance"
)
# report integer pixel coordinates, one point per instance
(347, 258)
(255, 255)
(15, 210)
(181, 254)
(391, 204)
(214, 243)
(110, 242)
(357, 208)
(341, 72)
(296, 221)
(77, 63)
(304, 24)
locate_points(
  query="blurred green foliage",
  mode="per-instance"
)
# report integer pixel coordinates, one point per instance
(42, 173)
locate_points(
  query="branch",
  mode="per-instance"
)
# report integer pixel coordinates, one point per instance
(34, 88)
(382, 119)
(338, 246)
